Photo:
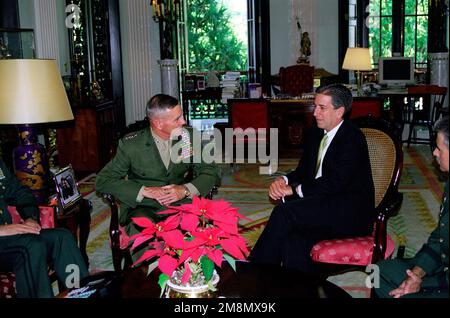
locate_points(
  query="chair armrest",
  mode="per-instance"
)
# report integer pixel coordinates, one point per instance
(388, 207)
(214, 190)
(391, 204)
(114, 232)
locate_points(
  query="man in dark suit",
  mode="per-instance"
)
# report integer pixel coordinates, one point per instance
(329, 195)
(25, 248)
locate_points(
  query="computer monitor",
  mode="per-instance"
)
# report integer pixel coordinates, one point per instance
(396, 71)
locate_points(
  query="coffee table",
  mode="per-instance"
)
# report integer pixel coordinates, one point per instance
(250, 280)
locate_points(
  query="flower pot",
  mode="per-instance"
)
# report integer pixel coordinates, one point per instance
(182, 291)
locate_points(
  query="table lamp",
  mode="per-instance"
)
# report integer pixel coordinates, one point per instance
(357, 59)
(32, 92)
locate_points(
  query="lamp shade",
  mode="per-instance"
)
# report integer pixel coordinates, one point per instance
(32, 92)
(357, 59)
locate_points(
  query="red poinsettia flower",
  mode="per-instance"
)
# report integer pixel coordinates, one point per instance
(220, 212)
(192, 239)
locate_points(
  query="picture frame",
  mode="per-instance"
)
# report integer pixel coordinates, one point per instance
(67, 187)
(201, 84)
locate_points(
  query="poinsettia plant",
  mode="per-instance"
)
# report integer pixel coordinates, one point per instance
(191, 240)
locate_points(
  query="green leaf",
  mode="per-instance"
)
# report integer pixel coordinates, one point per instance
(207, 267)
(162, 281)
(230, 260)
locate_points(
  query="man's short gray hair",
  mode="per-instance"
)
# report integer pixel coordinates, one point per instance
(441, 126)
(159, 104)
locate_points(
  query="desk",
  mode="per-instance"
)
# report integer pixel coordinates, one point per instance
(250, 280)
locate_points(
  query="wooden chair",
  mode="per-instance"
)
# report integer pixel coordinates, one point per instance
(365, 106)
(425, 105)
(386, 159)
(246, 114)
(296, 79)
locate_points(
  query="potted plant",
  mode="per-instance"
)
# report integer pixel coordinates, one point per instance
(188, 245)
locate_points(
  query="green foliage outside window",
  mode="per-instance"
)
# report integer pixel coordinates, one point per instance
(415, 32)
(213, 44)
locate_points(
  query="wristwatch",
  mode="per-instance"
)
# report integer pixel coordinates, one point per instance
(187, 193)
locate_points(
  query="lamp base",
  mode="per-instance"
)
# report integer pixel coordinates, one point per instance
(30, 163)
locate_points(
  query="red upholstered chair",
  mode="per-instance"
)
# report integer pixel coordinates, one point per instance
(8, 279)
(296, 79)
(366, 106)
(253, 114)
(386, 159)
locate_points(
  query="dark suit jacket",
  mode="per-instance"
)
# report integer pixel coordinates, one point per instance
(346, 183)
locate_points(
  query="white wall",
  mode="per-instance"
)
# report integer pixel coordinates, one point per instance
(327, 35)
(47, 19)
(319, 18)
(140, 53)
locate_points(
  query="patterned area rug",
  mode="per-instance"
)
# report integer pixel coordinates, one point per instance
(246, 189)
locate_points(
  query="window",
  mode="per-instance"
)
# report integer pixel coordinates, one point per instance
(379, 23)
(224, 35)
(406, 25)
(217, 35)
(416, 31)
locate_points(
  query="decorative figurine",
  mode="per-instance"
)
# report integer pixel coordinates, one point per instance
(305, 50)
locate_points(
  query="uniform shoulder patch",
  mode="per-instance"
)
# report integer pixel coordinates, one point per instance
(130, 136)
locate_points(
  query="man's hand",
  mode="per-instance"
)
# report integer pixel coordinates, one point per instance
(172, 193)
(14, 229)
(411, 284)
(153, 192)
(33, 223)
(279, 189)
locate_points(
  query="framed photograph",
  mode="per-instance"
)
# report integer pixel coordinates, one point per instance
(67, 187)
(201, 83)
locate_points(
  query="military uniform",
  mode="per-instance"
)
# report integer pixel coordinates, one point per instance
(432, 258)
(138, 163)
(27, 254)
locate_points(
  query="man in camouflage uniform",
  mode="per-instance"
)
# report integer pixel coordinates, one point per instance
(25, 248)
(426, 274)
(142, 175)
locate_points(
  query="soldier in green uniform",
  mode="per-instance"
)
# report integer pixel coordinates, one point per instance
(426, 274)
(144, 177)
(25, 248)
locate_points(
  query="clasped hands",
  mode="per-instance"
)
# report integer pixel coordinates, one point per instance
(165, 195)
(279, 189)
(30, 226)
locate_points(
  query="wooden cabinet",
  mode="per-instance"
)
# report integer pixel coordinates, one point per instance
(293, 118)
(88, 142)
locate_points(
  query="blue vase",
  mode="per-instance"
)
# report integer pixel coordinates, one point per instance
(30, 163)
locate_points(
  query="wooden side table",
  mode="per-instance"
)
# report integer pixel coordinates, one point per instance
(77, 219)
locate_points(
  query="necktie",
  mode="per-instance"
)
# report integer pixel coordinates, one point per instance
(322, 146)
